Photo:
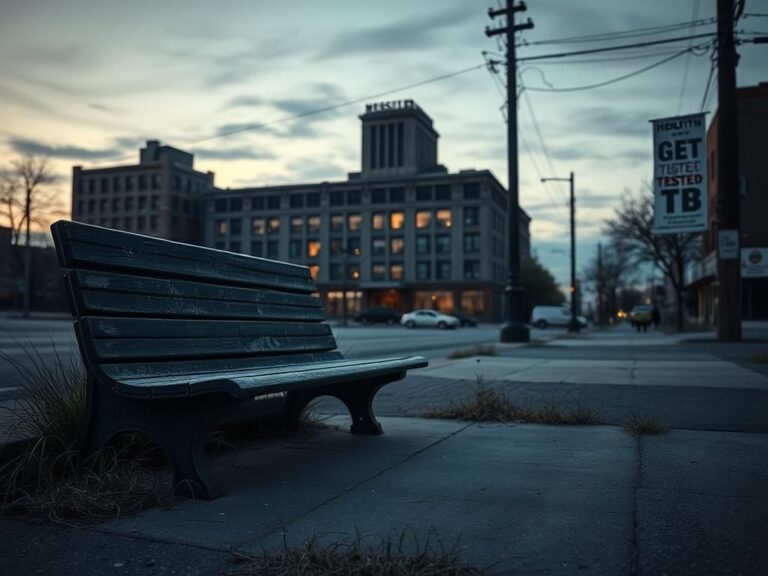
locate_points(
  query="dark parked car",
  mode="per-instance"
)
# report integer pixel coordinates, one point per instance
(378, 315)
(465, 320)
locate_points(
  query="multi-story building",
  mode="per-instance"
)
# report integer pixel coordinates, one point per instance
(753, 171)
(160, 196)
(403, 232)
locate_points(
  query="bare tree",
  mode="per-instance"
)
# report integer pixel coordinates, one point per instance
(26, 200)
(632, 229)
(608, 275)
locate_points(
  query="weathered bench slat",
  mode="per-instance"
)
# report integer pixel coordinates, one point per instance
(104, 293)
(186, 371)
(256, 381)
(92, 247)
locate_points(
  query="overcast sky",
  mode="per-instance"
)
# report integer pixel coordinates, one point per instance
(87, 82)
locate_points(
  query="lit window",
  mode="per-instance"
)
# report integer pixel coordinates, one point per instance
(297, 225)
(377, 220)
(221, 227)
(313, 224)
(337, 222)
(353, 272)
(396, 245)
(313, 248)
(396, 220)
(314, 271)
(444, 218)
(423, 218)
(396, 272)
(354, 221)
(273, 225)
(258, 226)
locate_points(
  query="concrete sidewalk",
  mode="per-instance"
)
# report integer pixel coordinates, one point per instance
(525, 498)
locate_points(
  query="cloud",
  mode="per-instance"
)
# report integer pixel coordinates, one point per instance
(241, 153)
(312, 170)
(26, 146)
(105, 108)
(406, 34)
(616, 122)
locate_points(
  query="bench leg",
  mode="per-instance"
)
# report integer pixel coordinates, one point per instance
(358, 399)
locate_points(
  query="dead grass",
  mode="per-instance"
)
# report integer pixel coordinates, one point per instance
(486, 404)
(642, 425)
(387, 557)
(476, 350)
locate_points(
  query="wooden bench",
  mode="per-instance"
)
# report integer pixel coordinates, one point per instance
(176, 338)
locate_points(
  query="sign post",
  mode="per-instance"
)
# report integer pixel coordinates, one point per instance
(680, 175)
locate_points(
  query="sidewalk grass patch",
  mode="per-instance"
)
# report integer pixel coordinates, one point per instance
(476, 350)
(488, 404)
(643, 425)
(383, 558)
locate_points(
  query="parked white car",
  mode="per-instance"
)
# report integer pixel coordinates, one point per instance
(544, 316)
(428, 318)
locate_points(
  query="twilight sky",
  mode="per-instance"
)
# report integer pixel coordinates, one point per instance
(87, 82)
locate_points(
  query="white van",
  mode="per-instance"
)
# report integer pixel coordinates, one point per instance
(544, 316)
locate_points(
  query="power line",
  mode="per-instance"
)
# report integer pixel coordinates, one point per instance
(708, 86)
(613, 80)
(532, 158)
(694, 15)
(612, 48)
(633, 33)
(618, 58)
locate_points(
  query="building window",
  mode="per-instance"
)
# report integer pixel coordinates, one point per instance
(129, 203)
(335, 272)
(273, 249)
(337, 198)
(221, 227)
(257, 248)
(92, 206)
(354, 197)
(378, 272)
(235, 226)
(127, 223)
(142, 202)
(337, 246)
(442, 192)
(378, 196)
(396, 272)
(472, 242)
(353, 245)
(104, 185)
(313, 199)
(353, 272)
(314, 271)
(313, 224)
(220, 205)
(354, 221)
(397, 195)
(142, 182)
(174, 202)
(313, 248)
(471, 269)
(471, 216)
(444, 270)
(104, 205)
(443, 243)
(129, 183)
(115, 204)
(235, 204)
(153, 222)
(257, 227)
(423, 270)
(273, 225)
(295, 249)
(396, 245)
(297, 225)
(422, 244)
(257, 203)
(378, 246)
(297, 200)
(473, 302)
(423, 193)
(396, 220)
(155, 202)
(337, 222)
(156, 181)
(176, 182)
(273, 202)
(115, 222)
(91, 186)
(471, 191)
(116, 184)
(444, 218)
(423, 218)
(377, 220)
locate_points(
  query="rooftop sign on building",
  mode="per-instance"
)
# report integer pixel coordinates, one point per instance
(391, 105)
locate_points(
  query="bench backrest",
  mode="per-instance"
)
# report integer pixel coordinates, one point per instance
(141, 300)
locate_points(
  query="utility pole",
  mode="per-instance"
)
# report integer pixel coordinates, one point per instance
(600, 285)
(515, 328)
(573, 324)
(728, 270)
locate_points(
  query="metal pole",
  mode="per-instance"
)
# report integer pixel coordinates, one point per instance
(573, 326)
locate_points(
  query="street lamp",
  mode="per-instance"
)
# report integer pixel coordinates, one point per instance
(573, 325)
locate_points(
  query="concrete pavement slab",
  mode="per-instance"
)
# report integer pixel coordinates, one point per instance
(703, 504)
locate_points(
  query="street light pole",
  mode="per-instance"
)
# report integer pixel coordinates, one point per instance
(573, 324)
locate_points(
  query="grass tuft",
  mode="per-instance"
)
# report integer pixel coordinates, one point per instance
(642, 425)
(486, 404)
(476, 350)
(386, 557)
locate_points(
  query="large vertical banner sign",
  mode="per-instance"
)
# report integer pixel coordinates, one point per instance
(680, 174)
